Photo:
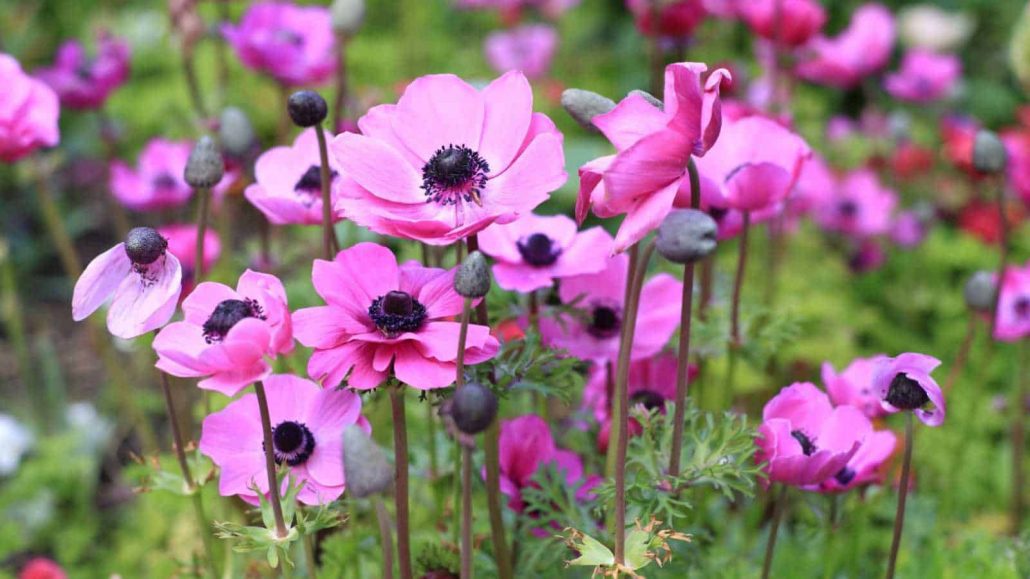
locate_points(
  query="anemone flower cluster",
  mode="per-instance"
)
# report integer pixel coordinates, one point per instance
(83, 82)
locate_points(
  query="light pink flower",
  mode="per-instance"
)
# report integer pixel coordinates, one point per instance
(859, 51)
(1013, 323)
(860, 207)
(908, 229)
(145, 287)
(866, 466)
(904, 383)
(381, 315)
(529, 48)
(535, 250)
(288, 187)
(228, 335)
(307, 435)
(28, 112)
(593, 333)
(158, 181)
(924, 77)
(182, 240)
(854, 385)
(653, 148)
(293, 44)
(82, 82)
(790, 22)
(448, 160)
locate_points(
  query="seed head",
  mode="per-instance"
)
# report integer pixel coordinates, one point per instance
(144, 245)
(473, 408)
(347, 16)
(307, 108)
(686, 236)
(980, 291)
(205, 167)
(989, 154)
(472, 280)
(584, 105)
(235, 131)
(368, 472)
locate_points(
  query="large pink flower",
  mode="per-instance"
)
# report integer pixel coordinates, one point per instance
(158, 181)
(854, 385)
(145, 280)
(82, 82)
(924, 77)
(535, 250)
(28, 112)
(307, 435)
(859, 51)
(448, 160)
(528, 48)
(904, 383)
(593, 333)
(803, 440)
(653, 148)
(1013, 323)
(288, 187)
(293, 44)
(228, 335)
(789, 22)
(860, 207)
(378, 315)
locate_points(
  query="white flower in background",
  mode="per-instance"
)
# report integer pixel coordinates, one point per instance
(93, 430)
(15, 441)
(927, 26)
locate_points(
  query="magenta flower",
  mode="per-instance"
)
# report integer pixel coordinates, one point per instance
(866, 466)
(804, 440)
(529, 48)
(82, 82)
(859, 51)
(380, 314)
(1017, 145)
(789, 22)
(535, 250)
(908, 229)
(861, 206)
(1013, 323)
(904, 383)
(158, 182)
(593, 333)
(228, 335)
(288, 187)
(653, 148)
(182, 240)
(854, 386)
(28, 112)
(448, 160)
(924, 77)
(676, 18)
(307, 435)
(143, 277)
(292, 44)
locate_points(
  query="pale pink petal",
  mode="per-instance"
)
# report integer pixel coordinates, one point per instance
(99, 281)
(143, 306)
(645, 216)
(378, 168)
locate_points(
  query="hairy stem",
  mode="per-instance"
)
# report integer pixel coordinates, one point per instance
(273, 481)
(340, 102)
(962, 356)
(899, 515)
(493, 500)
(738, 282)
(779, 506)
(329, 242)
(385, 536)
(1003, 253)
(203, 199)
(1019, 438)
(400, 449)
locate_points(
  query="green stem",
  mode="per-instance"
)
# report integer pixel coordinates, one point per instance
(899, 515)
(770, 547)
(273, 481)
(400, 448)
(189, 70)
(205, 532)
(385, 536)
(738, 283)
(203, 198)
(466, 452)
(613, 406)
(1003, 253)
(309, 554)
(962, 356)
(491, 447)
(14, 323)
(329, 242)
(1019, 438)
(340, 102)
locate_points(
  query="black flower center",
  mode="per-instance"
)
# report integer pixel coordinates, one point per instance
(397, 312)
(310, 182)
(1022, 307)
(226, 315)
(289, 37)
(845, 476)
(847, 209)
(293, 443)
(84, 72)
(906, 394)
(144, 245)
(164, 181)
(538, 250)
(650, 399)
(807, 446)
(455, 173)
(605, 322)
(718, 213)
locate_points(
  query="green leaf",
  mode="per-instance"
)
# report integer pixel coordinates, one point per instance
(592, 553)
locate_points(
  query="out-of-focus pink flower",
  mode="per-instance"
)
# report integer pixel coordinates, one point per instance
(1017, 145)
(676, 18)
(293, 44)
(511, 9)
(182, 241)
(158, 181)
(866, 466)
(868, 255)
(653, 148)
(860, 207)
(593, 334)
(228, 335)
(788, 22)
(28, 112)
(908, 229)
(924, 77)
(536, 250)
(42, 568)
(854, 386)
(288, 182)
(815, 185)
(859, 51)
(904, 383)
(529, 48)
(448, 160)
(911, 160)
(307, 435)
(85, 83)
(381, 316)
(958, 134)
(1013, 323)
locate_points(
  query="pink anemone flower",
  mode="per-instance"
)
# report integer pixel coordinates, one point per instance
(158, 182)
(861, 50)
(528, 48)
(904, 383)
(924, 77)
(854, 385)
(653, 148)
(143, 277)
(182, 240)
(536, 250)
(28, 112)
(228, 335)
(790, 22)
(448, 160)
(378, 315)
(1013, 323)
(861, 206)
(82, 82)
(866, 466)
(307, 436)
(676, 18)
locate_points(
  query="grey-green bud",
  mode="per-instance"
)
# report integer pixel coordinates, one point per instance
(686, 236)
(347, 16)
(472, 280)
(584, 105)
(235, 131)
(989, 155)
(205, 167)
(655, 101)
(365, 465)
(473, 408)
(980, 291)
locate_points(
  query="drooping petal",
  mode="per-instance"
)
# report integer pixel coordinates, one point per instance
(99, 281)
(145, 302)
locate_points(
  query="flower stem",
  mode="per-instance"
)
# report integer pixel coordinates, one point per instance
(178, 445)
(491, 444)
(738, 282)
(466, 452)
(329, 242)
(309, 555)
(205, 533)
(110, 149)
(189, 70)
(962, 356)
(482, 317)
(400, 449)
(1003, 253)
(273, 481)
(613, 404)
(385, 536)
(770, 547)
(1019, 438)
(899, 515)
(340, 102)
(203, 197)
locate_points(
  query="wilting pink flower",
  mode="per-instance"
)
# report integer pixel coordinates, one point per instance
(924, 77)
(293, 44)
(143, 277)
(380, 315)
(788, 22)
(288, 187)
(182, 241)
(907, 229)
(653, 148)
(859, 51)
(307, 435)
(28, 112)
(42, 568)
(861, 206)
(535, 250)
(904, 383)
(1013, 323)
(528, 48)
(676, 18)
(448, 160)
(804, 440)
(82, 82)
(593, 332)
(854, 386)
(228, 335)
(158, 182)
(866, 466)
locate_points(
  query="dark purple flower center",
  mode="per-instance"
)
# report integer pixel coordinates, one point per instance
(718, 213)
(845, 476)
(84, 72)
(650, 399)
(310, 183)
(397, 312)
(807, 446)
(847, 209)
(538, 250)
(289, 37)
(226, 315)
(605, 322)
(144, 245)
(164, 181)
(292, 442)
(905, 393)
(455, 173)
(1022, 307)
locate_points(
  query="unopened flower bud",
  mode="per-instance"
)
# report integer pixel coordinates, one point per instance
(686, 236)
(584, 105)
(307, 108)
(365, 465)
(144, 245)
(205, 167)
(989, 154)
(980, 291)
(472, 280)
(655, 101)
(473, 408)
(347, 16)
(235, 131)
